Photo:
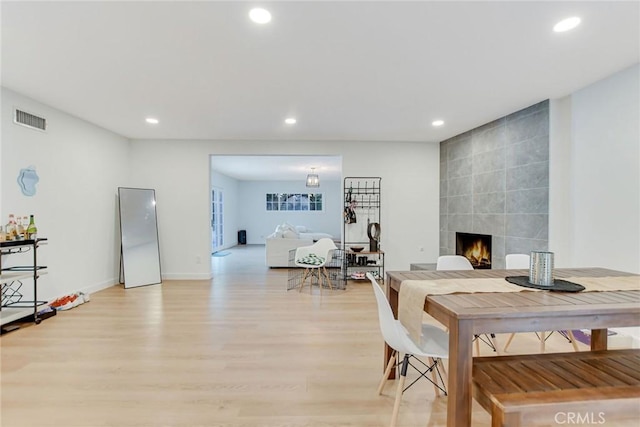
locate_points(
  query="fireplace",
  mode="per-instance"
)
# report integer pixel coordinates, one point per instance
(476, 248)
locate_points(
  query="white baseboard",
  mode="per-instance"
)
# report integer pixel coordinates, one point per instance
(187, 276)
(115, 282)
(99, 286)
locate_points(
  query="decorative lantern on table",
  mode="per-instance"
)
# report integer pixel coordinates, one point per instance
(541, 268)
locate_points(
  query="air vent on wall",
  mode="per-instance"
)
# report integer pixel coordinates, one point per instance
(29, 120)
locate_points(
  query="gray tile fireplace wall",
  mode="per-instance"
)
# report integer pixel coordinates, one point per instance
(494, 180)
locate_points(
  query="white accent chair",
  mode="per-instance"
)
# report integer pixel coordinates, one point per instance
(313, 259)
(453, 262)
(523, 262)
(434, 345)
(458, 262)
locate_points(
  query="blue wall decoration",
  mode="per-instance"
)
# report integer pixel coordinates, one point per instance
(27, 180)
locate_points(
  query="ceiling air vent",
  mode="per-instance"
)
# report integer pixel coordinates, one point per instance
(29, 120)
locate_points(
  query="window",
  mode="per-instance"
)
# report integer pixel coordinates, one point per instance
(294, 202)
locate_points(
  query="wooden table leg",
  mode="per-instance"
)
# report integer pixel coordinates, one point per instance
(598, 339)
(388, 352)
(460, 366)
(392, 295)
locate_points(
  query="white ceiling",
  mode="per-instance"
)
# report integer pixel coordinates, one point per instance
(349, 70)
(278, 168)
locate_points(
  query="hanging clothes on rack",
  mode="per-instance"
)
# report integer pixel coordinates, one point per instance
(350, 208)
(350, 213)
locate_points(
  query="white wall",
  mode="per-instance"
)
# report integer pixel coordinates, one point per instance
(560, 176)
(597, 144)
(80, 167)
(259, 222)
(603, 161)
(179, 171)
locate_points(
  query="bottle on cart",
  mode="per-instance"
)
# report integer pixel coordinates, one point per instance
(32, 230)
(20, 229)
(25, 222)
(3, 237)
(11, 228)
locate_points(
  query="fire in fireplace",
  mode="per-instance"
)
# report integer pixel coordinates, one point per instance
(476, 248)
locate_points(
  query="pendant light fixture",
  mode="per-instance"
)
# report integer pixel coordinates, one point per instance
(312, 179)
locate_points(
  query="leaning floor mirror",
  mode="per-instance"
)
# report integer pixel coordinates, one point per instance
(139, 248)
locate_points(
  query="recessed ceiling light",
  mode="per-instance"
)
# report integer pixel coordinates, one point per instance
(260, 16)
(566, 24)
(152, 120)
(437, 123)
(290, 121)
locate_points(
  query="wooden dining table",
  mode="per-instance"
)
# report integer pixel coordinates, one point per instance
(469, 314)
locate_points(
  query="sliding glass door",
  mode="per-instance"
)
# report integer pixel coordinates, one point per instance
(217, 219)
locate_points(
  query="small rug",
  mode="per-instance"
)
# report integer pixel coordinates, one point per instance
(584, 335)
(221, 253)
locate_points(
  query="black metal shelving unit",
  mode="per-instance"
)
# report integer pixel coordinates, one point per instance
(13, 305)
(361, 228)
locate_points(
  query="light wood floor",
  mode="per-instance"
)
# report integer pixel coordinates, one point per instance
(239, 350)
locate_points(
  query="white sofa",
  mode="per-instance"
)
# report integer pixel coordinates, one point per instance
(277, 250)
(285, 238)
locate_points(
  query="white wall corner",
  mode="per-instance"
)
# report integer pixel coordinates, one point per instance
(560, 205)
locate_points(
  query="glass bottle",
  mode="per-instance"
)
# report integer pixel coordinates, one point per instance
(11, 227)
(32, 230)
(20, 230)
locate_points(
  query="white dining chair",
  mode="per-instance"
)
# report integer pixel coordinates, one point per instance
(313, 259)
(459, 262)
(453, 262)
(517, 261)
(523, 261)
(434, 346)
